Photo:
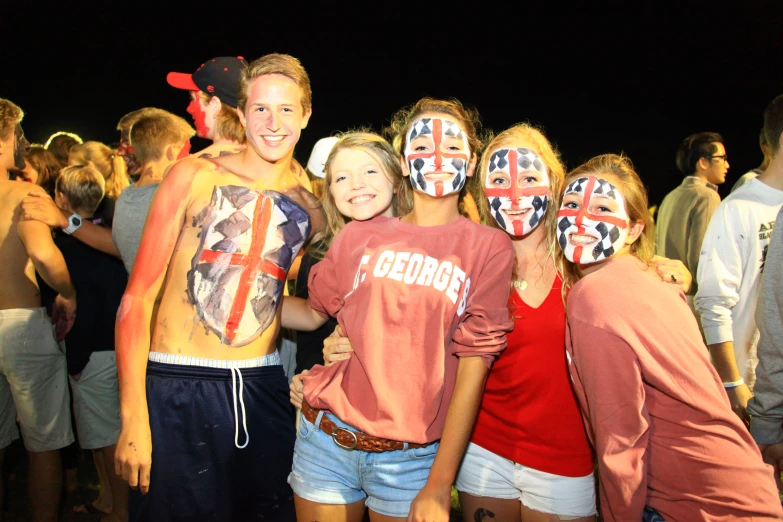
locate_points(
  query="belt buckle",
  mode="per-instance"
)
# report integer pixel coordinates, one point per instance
(349, 448)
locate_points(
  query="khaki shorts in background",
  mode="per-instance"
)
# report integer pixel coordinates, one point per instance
(33, 379)
(96, 402)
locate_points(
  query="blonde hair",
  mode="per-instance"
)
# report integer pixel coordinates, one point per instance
(152, 133)
(621, 171)
(10, 115)
(526, 135)
(466, 117)
(276, 64)
(127, 121)
(227, 124)
(83, 185)
(110, 165)
(381, 150)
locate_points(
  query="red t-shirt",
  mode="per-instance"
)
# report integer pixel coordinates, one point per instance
(529, 413)
(412, 300)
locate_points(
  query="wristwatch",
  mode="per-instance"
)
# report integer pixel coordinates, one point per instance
(74, 222)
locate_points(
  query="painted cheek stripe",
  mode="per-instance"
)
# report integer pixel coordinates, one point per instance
(581, 216)
(582, 213)
(506, 193)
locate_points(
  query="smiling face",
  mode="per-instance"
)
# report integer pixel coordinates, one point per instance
(273, 117)
(517, 187)
(592, 222)
(437, 155)
(361, 189)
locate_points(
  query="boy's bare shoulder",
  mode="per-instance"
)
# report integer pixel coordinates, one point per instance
(13, 192)
(190, 172)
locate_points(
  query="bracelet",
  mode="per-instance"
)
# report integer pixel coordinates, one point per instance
(730, 385)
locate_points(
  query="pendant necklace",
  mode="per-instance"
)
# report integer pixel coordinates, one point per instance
(519, 284)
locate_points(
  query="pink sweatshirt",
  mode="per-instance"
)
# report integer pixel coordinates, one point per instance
(411, 300)
(655, 408)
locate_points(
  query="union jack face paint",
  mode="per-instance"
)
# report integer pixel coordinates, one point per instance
(592, 223)
(437, 153)
(517, 185)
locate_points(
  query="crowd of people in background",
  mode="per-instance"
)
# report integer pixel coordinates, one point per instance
(428, 309)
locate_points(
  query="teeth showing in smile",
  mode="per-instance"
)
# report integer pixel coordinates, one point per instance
(438, 175)
(361, 199)
(517, 212)
(273, 139)
(582, 240)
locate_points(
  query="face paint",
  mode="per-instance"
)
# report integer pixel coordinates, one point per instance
(437, 153)
(20, 147)
(517, 184)
(199, 116)
(588, 220)
(125, 151)
(184, 151)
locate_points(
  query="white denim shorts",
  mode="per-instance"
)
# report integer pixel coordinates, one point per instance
(33, 382)
(96, 402)
(486, 474)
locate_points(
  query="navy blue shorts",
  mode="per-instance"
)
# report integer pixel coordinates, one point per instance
(198, 472)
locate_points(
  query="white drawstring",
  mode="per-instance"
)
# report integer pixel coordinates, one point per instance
(242, 402)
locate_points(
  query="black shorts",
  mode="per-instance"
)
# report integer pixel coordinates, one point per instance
(198, 472)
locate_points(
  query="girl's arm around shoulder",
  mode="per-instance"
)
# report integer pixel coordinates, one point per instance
(297, 314)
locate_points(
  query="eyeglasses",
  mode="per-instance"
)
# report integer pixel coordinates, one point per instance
(724, 157)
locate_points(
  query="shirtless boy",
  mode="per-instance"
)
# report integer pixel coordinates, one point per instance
(207, 432)
(33, 378)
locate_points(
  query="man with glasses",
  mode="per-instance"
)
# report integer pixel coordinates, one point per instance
(686, 211)
(732, 260)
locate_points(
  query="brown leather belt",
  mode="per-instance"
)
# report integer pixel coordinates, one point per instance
(352, 440)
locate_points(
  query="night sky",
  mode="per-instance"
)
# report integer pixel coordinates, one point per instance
(614, 81)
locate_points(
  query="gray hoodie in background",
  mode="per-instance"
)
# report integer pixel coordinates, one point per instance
(766, 406)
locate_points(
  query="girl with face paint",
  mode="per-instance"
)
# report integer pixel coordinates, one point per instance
(411, 293)
(529, 458)
(666, 439)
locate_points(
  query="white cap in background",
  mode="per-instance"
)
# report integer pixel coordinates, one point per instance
(318, 156)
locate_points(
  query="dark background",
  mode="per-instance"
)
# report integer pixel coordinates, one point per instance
(633, 78)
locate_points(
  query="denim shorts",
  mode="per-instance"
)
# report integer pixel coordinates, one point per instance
(325, 473)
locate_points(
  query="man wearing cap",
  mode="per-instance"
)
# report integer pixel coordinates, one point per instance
(213, 103)
(214, 89)
(207, 430)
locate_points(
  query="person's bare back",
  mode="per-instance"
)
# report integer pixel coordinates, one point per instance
(18, 286)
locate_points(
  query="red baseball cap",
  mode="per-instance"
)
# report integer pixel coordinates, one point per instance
(218, 76)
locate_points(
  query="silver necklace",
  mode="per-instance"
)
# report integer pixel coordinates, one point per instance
(519, 284)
